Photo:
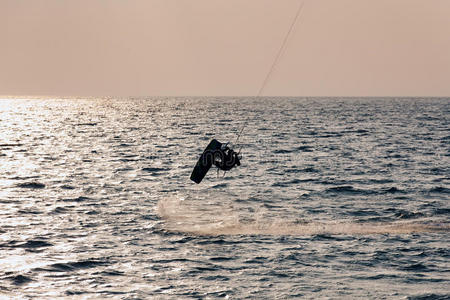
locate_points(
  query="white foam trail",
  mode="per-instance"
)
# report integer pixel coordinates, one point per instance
(187, 216)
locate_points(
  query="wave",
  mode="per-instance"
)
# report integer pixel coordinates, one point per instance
(27, 245)
(153, 170)
(349, 190)
(10, 145)
(440, 190)
(430, 296)
(78, 199)
(31, 185)
(19, 279)
(72, 266)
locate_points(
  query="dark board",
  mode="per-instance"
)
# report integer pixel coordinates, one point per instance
(205, 161)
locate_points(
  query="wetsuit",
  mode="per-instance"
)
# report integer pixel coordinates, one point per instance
(225, 159)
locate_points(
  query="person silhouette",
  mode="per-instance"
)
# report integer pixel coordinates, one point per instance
(226, 159)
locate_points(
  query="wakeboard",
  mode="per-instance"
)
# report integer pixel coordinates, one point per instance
(205, 161)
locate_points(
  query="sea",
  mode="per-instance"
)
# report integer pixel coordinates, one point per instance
(335, 198)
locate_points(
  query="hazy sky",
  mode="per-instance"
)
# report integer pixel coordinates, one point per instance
(224, 47)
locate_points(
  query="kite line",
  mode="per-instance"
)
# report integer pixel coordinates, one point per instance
(275, 61)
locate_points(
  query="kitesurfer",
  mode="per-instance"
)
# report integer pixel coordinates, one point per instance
(226, 159)
(217, 154)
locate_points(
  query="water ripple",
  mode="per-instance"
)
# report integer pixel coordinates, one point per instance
(335, 198)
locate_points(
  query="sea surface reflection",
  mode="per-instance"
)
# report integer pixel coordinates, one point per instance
(335, 198)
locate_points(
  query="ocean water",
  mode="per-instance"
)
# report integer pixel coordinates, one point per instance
(335, 199)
